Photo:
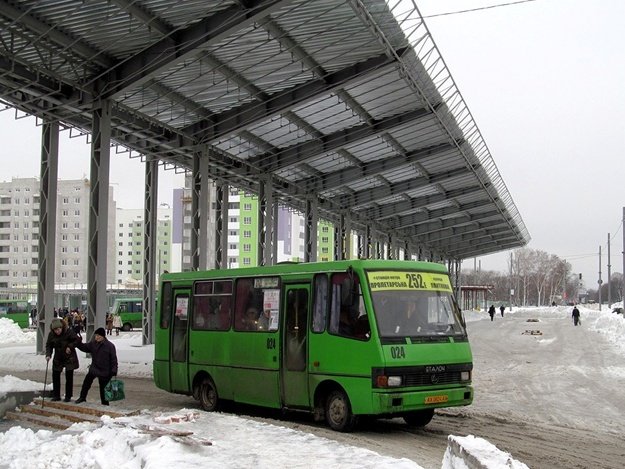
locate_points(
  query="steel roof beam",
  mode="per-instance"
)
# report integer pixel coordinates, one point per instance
(368, 196)
(413, 203)
(259, 110)
(490, 247)
(472, 240)
(493, 226)
(44, 30)
(136, 10)
(407, 221)
(179, 44)
(428, 224)
(305, 151)
(336, 179)
(484, 236)
(404, 221)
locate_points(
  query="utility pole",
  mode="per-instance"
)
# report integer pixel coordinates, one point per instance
(623, 252)
(510, 290)
(609, 275)
(599, 281)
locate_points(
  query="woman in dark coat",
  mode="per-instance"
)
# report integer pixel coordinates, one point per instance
(62, 340)
(103, 364)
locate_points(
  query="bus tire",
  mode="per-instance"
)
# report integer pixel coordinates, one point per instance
(127, 327)
(419, 418)
(339, 412)
(209, 399)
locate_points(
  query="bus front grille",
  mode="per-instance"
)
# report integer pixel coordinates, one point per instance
(427, 375)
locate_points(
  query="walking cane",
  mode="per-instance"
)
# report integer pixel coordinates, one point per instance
(45, 382)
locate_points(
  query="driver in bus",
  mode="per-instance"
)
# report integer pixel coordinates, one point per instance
(412, 321)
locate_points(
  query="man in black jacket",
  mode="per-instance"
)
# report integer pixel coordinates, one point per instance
(103, 364)
(575, 314)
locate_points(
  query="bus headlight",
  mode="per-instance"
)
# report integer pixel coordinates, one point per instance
(394, 381)
(465, 376)
(383, 381)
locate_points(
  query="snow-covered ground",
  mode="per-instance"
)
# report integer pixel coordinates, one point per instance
(236, 441)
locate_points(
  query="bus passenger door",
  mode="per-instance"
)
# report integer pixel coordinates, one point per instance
(179, 370)
(295, 346)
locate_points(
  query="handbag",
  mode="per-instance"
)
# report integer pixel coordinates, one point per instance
(114, 390)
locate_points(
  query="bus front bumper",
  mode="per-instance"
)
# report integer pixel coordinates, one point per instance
(396, 402)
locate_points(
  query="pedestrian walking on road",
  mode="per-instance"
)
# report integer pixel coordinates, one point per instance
(103, 364)
(502, 308)
(63, 341)
(491, 311)
(575, 315)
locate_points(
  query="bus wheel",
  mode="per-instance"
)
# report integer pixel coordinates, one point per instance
(339, 412)
(127, 327)
(208, 395)
(419, 418)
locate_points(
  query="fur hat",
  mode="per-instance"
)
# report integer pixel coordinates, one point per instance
(100, 331)
(56, 322)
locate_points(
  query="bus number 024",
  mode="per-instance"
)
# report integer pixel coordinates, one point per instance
(398, 352)
(271, 343)
(415, 281)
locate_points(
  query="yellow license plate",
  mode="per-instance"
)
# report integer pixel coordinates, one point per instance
(436, 399)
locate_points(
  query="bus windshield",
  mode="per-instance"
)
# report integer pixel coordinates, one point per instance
(414, 305)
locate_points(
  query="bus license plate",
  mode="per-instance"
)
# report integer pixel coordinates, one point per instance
(436, 399)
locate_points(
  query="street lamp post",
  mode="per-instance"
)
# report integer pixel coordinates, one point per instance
(599, 281)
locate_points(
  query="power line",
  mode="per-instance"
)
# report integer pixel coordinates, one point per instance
(478, 9)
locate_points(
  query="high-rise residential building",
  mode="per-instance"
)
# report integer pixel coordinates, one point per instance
(19, 232)
(130, 245)
(243, 230)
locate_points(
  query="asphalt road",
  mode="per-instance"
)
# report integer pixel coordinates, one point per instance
(553, 399)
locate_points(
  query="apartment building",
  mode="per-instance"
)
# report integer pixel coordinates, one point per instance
(19, 232)
(130, 249)
(243, 230)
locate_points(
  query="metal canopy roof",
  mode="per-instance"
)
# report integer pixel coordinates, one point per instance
(348, 101)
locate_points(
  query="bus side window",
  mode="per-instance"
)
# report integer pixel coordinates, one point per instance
(348, 317)
(247, 306)
(166, 307)
(201, 312)
(320, 306)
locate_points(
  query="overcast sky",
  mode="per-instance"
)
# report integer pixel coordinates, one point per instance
(545, 82)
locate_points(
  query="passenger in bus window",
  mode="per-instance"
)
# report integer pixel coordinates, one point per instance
(250, 319)
(265, 320)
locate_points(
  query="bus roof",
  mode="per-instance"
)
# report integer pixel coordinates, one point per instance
(309, 267)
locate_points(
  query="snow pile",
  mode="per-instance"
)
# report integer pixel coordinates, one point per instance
(211, 440)
(11, 384)
(479, 453)
(610, 324)
(11, 333)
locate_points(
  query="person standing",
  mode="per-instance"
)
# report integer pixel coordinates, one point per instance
(103, 364)
(117, 323)
(575, 315)
(502, 308)
(109, 324)
(491, 312)
(63, 341)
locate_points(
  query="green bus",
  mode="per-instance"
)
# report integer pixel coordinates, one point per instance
(17, 310)
(340, 339)
(130, 310)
